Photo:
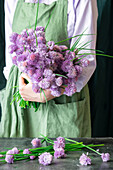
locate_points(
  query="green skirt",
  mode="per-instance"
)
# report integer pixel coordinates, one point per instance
(64, 116)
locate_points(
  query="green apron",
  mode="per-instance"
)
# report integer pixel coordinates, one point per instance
(64, 116)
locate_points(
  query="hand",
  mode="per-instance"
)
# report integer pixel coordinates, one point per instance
(28, 94)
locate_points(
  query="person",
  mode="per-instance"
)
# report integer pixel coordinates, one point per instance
(64, 116)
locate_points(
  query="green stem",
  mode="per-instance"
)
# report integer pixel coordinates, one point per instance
(83, 145)
(36, 14)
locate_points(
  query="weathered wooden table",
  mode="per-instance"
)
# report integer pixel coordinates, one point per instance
(71, 162)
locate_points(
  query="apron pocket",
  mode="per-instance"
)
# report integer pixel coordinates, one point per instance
(65, 119)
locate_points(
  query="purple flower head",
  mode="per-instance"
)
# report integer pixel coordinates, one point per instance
(42, 47)
(105, 157)
(9, 159)
(55, 91)
(57, 48)
(40, 34)
(84, 160)
(51, 45)
(58, 145)
(47, 72)
(66, 65)
(78, 69)
(30, 31)
(37, 76)
(21, 57)
(24, 33)
(45, 158)
(13, 37)
(63, 47)
(15, 150)
(59, 81)
(32, 157)
(40, 28)
(44, 83)
(72, 72)
(60, 140)
(35, 88)
(70, 89)
(14, 60)
(41, 40)
(84, 62)
(10, 152)
(26, 151)
(59, 153)
(19, 51)
(12, 48)
(36, 142)
(69, 55)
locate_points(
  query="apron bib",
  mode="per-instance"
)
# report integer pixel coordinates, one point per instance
(64, 116)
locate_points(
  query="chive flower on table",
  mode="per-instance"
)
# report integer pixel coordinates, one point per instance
(59, 153)
(58, 147)
(32, 157)
(45, 158)
(9, 158)
(36, 142)
(84, 160)
(26, 151)
(105, 157)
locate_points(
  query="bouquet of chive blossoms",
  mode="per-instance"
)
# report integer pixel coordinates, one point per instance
(49, 66)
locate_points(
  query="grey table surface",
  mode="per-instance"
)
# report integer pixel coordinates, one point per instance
(71, 162)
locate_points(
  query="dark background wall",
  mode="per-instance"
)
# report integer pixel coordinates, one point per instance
(101, 83)
(2, 46)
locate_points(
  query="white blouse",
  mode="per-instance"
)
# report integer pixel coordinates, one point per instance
(82, 15)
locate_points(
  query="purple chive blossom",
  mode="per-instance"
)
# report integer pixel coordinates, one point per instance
(59, 81)
(36, 142)
(59, 153)
(13, 37)
(78, 69)
(72, 72)
(24, 33)
(70, 89)
(44, 84)
(14, 60)
(9, 159)
(10, 152)
(60, 140)
(48, 72)
(30, 31)
(63, 47)
(26, 151)
(12, 48)
(45, 158)
(32, 157)
(40, 28)
(84, 160)
(105, 157)
(15, 150)
(51, 45)
(84, 62)
(55, 92)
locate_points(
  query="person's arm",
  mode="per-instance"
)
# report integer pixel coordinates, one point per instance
(9, 13)
(86, 19)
